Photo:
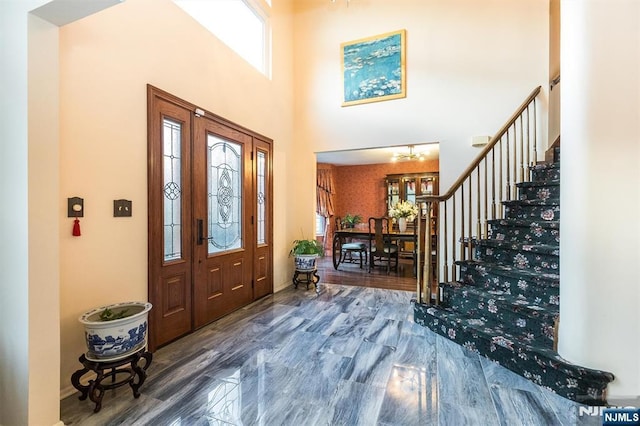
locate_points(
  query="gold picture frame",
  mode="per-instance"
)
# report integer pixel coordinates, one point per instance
(373, 68)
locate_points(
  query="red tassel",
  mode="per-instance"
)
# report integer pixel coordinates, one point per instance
(76, 228)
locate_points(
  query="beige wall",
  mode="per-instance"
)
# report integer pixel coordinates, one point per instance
(106, 61)
(469, 66)
(44, 260)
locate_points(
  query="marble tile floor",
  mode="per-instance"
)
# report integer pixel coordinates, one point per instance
(344, 356)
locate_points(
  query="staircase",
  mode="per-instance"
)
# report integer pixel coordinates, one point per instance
(506, 302)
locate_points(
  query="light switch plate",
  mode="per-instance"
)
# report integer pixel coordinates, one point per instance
(121, 208)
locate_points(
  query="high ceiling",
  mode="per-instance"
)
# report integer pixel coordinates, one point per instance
(376, 155)
(63, 12)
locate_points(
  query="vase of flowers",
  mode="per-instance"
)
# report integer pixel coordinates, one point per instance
(402, 212)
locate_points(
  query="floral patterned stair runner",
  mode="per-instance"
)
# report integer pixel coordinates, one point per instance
(507, 301)
(531, 286)
(533, 321)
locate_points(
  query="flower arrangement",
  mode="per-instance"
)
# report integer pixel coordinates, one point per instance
(404, 209)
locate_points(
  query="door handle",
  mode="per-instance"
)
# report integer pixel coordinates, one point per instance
(200, 231)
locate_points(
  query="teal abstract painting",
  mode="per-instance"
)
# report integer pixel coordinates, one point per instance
(374, 68)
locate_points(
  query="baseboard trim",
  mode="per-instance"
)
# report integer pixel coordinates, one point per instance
(67, 392)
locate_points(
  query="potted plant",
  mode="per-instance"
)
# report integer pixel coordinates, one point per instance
(351, 220)
(305, 253)
(115, 331)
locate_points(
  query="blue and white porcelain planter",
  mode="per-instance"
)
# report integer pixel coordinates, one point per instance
(119, 338)
(306, 262)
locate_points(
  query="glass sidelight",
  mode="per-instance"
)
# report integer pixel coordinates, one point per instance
(261, 198)
(172, 189)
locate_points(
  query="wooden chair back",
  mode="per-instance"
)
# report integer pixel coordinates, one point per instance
(378, 228)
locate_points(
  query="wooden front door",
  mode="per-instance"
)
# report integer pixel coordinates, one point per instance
(209, 217)
(222, 256)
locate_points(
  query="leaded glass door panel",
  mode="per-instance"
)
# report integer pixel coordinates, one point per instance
(224, 248)
(224, 194)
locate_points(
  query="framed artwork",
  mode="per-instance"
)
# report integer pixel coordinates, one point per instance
(373, 68)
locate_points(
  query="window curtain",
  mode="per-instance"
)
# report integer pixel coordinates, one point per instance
(324, 193)
(324, 201)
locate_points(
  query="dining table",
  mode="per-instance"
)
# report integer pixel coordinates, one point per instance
(342, 235)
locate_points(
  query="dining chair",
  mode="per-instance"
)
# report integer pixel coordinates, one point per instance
(349, 247)
(381, 244)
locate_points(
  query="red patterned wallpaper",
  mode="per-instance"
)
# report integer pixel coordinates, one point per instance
(361, 189)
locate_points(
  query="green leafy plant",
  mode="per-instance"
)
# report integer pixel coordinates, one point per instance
(350, 220)
(306, 247)
(109, 315)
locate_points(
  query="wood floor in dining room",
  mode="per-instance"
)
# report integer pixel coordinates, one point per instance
(351, 274)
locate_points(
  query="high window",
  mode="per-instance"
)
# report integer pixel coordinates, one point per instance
(243, 25)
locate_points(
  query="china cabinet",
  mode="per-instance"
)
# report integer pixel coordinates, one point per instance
(406, 187)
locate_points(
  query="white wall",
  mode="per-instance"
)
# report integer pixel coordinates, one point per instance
(469, 66)
(14, 282)
(28, 298)
(600, 291)
(106, 61)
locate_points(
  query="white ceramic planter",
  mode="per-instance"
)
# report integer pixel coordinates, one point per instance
(110, 340)
(306, 262)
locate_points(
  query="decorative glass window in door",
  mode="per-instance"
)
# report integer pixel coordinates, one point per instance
(224, 198)
(172, 189)
(261, 197)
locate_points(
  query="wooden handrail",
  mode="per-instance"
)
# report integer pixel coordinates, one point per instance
(467, 172)
(473, 200)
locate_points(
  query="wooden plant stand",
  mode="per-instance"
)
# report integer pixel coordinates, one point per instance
(134, 375)
(310, 277)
